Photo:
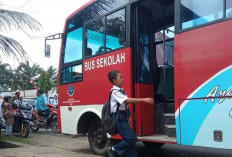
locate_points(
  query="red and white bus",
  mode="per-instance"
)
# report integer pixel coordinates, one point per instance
(177, 51)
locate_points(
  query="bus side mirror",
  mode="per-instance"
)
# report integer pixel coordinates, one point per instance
(47, 50)
(47, 46)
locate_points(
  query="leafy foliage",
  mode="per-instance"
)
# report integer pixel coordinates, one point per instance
(12, 80)
(19, 21)
(27, 72)
(44, 82)
(5, 75)
(9, 46)
(52, 75)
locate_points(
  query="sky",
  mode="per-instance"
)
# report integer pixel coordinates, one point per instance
(52, 15)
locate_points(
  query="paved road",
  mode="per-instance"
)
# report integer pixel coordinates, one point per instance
(48, 144)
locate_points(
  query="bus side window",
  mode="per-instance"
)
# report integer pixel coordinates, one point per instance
(95, 35)
(71, 74)
(115, 30)
(77, 73)
(65, 75)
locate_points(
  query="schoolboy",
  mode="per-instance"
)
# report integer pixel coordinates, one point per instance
(118, 98)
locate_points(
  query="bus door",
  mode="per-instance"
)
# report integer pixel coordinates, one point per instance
(142, 65)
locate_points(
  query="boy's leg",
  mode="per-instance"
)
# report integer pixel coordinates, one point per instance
(129, 138)
(132, 152)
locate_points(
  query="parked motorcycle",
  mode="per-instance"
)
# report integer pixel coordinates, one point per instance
(22, 118)
(46, 120)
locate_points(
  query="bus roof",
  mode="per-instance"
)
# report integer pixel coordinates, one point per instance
(81, 8)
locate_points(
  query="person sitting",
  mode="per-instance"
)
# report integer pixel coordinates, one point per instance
(17, 96)
(41, 105)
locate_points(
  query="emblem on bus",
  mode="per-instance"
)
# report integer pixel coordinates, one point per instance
(70, 90)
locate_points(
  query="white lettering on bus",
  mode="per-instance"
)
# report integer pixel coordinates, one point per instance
(123, 57)
(89, 65)
(110, 60)
(105, 61)
(218, 93)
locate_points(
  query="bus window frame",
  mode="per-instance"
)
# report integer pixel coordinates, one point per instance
(73, 63)
(177, 20)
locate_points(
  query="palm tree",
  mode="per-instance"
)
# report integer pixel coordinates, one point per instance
(5, 76)
(16, 81)
(15, 20)
(52, 75)
(27, 72)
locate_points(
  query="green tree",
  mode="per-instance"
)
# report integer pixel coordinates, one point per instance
(16, 81)
(44, 82)
(28, 72)
(52, 75)
(19, 21)
(5, 76)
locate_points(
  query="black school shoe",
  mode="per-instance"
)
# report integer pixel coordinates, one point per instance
(111, 153)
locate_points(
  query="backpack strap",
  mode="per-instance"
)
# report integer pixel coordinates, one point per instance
(117, 110)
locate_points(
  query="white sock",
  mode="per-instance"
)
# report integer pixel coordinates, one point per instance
(113, 149)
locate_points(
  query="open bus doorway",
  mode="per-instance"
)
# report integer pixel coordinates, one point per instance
(163, 27)
(153, 49)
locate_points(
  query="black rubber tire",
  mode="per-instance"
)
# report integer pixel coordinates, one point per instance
(98, 141)
(54, 125)
(152, 145)
(24, 132)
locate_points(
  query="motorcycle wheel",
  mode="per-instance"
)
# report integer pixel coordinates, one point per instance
(54, 125)
(34, 127)
(25, 130)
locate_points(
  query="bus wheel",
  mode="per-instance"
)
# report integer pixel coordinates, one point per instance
(98, 141)
(153, 145)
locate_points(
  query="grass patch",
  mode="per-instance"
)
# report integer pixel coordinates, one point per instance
(16, 139)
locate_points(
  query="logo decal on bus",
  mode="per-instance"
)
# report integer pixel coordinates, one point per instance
(70, 90)
(215, 92)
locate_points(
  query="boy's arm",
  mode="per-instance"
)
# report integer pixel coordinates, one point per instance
(137, 100)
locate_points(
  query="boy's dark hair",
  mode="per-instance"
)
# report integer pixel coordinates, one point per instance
(112, 75)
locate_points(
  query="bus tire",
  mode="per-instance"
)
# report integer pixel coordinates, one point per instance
(98, 141)
(151, 145)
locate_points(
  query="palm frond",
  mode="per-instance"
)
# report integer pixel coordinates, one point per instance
(17, 20)
(9, 46)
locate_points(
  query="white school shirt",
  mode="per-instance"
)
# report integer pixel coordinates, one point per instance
(117, 96)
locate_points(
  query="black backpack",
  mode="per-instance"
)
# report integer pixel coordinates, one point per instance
(108, 123)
